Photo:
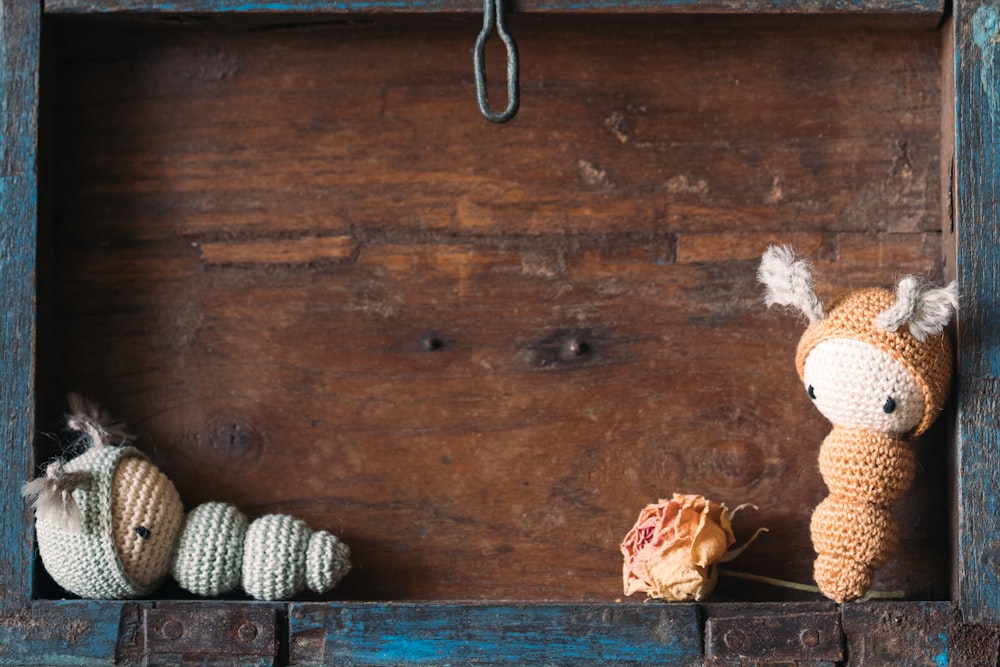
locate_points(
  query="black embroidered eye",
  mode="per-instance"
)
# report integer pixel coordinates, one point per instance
(811, 392)
(890, 405)
(142, 532)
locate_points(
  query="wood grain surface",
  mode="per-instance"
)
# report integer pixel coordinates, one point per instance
(977, 117)
(19, 35)
(294, 257)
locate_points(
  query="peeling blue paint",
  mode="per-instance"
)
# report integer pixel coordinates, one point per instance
(79, 632)
(941, 659)
(496, 634)
(985, 30)
(985, 26)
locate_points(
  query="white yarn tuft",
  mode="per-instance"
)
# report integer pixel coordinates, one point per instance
(95, 424)
(52, 496)
(788, 282)
(924, 308)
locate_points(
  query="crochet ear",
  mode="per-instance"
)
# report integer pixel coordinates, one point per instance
(788, 282)
(925, 308)
(94, 423)
(52, 496)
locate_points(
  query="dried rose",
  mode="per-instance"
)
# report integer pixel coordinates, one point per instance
(672, 550)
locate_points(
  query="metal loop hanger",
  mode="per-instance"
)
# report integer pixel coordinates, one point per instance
(493, 16)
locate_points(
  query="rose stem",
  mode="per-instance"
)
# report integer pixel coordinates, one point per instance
(870, 595)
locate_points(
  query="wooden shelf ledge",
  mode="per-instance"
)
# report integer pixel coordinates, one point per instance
(860, 7)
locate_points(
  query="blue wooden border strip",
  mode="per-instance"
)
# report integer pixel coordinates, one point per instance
(19, 46)
(356, 634)
(912, 7)
(18, 85)
(977, 211)
(55, 633)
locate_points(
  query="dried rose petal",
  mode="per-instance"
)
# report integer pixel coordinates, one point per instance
(672, 549)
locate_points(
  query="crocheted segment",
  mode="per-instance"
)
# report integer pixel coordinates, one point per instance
(842, 578)
(282, 556)
(274, 557)
(209, 555)
(854, 317)
(327, 561)
(87, 563)
(863, 532)
(866, 467)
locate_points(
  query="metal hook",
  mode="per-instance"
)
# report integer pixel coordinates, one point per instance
(493, 16)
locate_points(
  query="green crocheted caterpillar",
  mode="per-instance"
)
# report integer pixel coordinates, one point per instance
(111, 525)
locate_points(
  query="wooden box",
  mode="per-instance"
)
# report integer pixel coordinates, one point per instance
(281, 243)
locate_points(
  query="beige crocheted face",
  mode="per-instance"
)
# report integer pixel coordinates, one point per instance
(146, 515)
(857, 385)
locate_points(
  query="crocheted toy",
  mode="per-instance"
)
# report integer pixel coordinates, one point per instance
(878, 366)
(111, 525)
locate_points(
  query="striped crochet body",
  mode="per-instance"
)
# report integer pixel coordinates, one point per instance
(271, 558)
(853, 529)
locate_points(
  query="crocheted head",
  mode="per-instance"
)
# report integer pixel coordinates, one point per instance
(111, 525)
(875, 359)
(878, 365)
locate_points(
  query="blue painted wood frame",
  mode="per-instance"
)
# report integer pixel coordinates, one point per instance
(85, 632)
(19, 57)
(55, 632)
(380, 635)
(977, 216)
(930, 8)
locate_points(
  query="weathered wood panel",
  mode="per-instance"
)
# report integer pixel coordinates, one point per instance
(807, 633)
(356, 635)
(973, 645)
(977, 209)
(303, 268)
(907, 634)
(62, 633)
(19, 40)
(928, 8)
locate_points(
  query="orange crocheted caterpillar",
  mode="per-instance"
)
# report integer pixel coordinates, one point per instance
(878, 366)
